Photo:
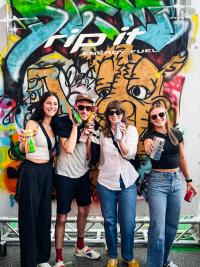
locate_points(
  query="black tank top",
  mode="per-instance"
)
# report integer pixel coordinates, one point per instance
(170, 155)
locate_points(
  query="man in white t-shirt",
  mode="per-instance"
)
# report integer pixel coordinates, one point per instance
(72, 181)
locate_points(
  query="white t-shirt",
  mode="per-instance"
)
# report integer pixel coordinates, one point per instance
(73, 165)
(112, 164)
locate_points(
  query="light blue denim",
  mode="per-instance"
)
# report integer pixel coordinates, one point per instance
(119, 206)
(164, 199)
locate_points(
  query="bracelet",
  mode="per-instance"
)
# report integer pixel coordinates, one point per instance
(188, 180)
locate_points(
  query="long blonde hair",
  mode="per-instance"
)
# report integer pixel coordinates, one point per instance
(174, 134)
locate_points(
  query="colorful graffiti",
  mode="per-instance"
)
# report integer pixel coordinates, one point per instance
(129, 50)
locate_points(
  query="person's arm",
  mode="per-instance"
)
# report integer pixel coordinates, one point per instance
(21, 139)
(68, 144)
(90, 130)
(129, 142)
(184, 169)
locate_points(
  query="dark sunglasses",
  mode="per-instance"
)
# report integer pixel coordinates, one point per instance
(117, 112)
(161, 115)
(81, 107)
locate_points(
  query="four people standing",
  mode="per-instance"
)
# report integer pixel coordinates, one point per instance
(116, 184)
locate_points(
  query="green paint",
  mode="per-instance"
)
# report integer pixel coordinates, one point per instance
(30, 8)
(171, 114)
(149, 3)
(106, 28)
(183, 249)
(71, 8)
(121, 4)
(96, 5)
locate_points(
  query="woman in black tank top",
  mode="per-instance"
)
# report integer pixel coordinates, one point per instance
(164, 188)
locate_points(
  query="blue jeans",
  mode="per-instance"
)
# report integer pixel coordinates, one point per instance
(164, 199)
(119, 206)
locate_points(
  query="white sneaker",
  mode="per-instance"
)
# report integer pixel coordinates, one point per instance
(171, 264)
(45, 264)
(59, 264)
(86, 252)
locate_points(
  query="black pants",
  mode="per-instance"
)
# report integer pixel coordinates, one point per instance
(35, 213)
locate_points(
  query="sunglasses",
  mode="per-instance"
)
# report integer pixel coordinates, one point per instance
(81, 107)
(117, 112)
(161, 115)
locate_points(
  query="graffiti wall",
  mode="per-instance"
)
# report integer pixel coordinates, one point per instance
(137, 51)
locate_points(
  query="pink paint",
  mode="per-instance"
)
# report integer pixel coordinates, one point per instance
(172, 89)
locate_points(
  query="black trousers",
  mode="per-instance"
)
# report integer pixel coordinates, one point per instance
(34, 216)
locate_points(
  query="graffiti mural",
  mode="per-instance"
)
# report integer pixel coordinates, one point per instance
(128, 50)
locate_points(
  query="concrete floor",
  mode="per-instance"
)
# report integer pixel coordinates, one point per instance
(182, 259)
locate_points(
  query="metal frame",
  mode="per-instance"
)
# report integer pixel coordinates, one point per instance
(95, 231)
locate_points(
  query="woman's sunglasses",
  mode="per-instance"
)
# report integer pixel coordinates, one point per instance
(81, 107)
(161, 115)
(117, 112)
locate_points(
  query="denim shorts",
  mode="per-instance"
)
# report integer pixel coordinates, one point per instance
(68, 189)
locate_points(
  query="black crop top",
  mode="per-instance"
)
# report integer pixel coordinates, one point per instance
(170, 155)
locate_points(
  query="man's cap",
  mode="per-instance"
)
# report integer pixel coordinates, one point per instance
(84, 97)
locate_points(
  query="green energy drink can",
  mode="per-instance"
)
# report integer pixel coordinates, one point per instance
(29, 141)
(76, 117)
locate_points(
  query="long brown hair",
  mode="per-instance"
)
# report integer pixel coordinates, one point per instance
(113, 105)
(174, 135)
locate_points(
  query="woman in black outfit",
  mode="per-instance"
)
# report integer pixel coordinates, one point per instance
(35, 187)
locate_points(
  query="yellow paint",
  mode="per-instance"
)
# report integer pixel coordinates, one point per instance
(5, 161)
(54, 56)
(195, 20)
(12, 39)
(187, 67)
(7, 128)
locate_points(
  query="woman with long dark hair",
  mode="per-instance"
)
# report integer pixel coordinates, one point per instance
(116, 183)
(35, 186)
(164, 188)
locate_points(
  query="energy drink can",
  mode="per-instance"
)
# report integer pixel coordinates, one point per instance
(92, 115)
(117, 133)
(85, 132)
(76, 117)
(29, 142)
(189, 195)
(157, 148)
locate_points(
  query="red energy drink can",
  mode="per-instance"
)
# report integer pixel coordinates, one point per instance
(189, 195)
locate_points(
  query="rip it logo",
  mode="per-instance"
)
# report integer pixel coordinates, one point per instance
(82, 40)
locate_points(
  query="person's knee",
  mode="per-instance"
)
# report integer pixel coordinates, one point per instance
(157, 231)
(110, 221)
(61, 219)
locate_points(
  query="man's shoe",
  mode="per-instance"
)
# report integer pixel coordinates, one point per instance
(45, 264)
(112, 263)
(132, 263)
(86, 252)
(171, 264)
(59, 264)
